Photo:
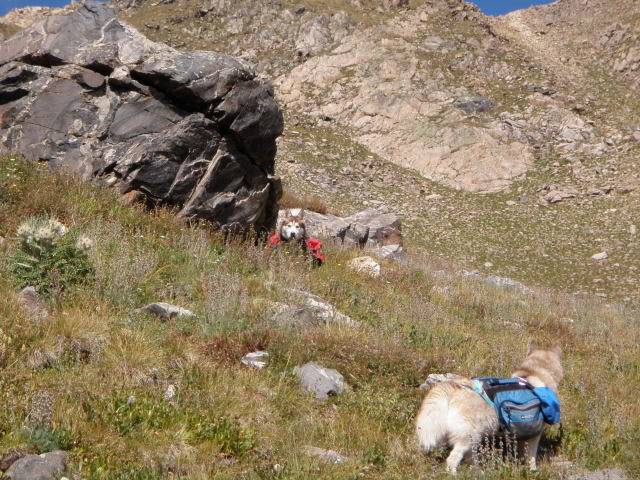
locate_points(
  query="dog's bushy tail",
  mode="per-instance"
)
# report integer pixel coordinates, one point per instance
(432, 422)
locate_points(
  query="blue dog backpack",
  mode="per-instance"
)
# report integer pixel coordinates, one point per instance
(521, 408)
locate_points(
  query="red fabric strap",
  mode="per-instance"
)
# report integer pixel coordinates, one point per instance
(275, 240)
(314, 246)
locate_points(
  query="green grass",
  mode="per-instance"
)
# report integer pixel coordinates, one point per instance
(226, 421)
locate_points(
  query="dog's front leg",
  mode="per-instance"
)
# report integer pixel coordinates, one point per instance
(531, 451)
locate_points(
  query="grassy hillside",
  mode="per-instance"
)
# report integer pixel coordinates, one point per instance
(101, 393)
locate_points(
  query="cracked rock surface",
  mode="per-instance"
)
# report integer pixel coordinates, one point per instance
(89, 94)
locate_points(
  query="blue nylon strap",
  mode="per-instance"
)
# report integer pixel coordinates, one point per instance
(479, 389)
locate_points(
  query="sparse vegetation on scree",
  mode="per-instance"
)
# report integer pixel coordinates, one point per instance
(103, 393)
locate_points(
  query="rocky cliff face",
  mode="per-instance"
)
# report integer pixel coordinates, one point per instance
(89, 94)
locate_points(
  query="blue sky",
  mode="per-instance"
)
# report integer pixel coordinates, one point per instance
(498, 7)
(6, 5)
(491, 7)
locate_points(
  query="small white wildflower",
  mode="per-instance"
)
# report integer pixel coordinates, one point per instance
(40, 230)
(26, 231)
(45, 234)
(57, 227)
(22, 230)
(170, 393)
(84, 243)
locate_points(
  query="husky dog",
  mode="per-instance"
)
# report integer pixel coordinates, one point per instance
(292, 229)
(453, 414)
(292, 226)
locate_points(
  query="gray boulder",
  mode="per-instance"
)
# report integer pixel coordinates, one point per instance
(391, 252)
(293, 315)
(365, 265)
(557, 196)
(369, 228)
(310, 311)
(47, 466)
(10, 457)
(382, 228)
(500, 282)
(41, 359)
(310, 314)
(170, 393)
(600, 256)
(89, 94)
(326, 456)
(506, 282)
(258, 359)
(319, 381)
(33, 305)
(474, 105)
(166, 311)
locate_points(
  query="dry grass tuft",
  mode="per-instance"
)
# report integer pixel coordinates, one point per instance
(312, 203)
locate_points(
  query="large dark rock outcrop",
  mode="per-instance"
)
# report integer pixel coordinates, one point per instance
(90, 94)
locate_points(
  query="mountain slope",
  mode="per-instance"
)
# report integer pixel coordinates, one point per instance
(597, 33)
(461, 103)
(133, 396)
(415, 108)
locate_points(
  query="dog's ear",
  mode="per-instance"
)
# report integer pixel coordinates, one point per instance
(557, 349)
(531, 348)
(301, 213)
(284, 216)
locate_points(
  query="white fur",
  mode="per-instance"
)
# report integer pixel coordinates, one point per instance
(293, 228)
(292, 231)
(441, 423)
(432, 424)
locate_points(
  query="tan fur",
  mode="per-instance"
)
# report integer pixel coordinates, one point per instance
(542, 368)
(454, 415)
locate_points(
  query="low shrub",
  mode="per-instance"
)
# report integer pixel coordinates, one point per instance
(49, 257)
